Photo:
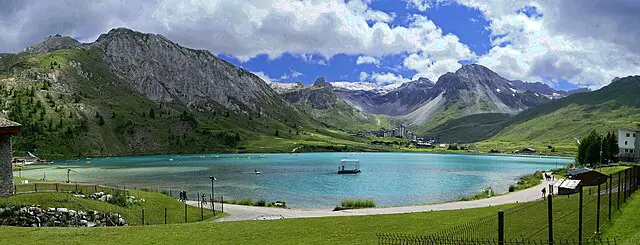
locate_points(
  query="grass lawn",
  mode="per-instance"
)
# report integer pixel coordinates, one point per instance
(526, 221)
(627, 225)
(154, 206)
(329, 230)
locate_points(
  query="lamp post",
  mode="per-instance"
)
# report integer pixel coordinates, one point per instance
(213, 196)
(68, 171)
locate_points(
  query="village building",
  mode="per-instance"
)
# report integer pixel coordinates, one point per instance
(629, 144)
(7, 128)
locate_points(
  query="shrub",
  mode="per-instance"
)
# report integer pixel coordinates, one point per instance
(246, 202)
(512, 188)
(260, 203)
(347, 203)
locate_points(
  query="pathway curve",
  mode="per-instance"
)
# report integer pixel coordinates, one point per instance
(240, 212)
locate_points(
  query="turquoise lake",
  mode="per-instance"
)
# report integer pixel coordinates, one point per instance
(310, 180)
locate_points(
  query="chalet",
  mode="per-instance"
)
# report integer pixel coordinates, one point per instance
(7, 128)
(587, 176)
(629, 144)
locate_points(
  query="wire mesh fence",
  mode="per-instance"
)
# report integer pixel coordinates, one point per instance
(396, 239)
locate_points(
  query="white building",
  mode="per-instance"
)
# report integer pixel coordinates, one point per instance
(629, 144)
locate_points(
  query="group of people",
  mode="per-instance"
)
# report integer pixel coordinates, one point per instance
(183, 196)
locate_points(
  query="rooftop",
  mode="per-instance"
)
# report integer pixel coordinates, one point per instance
(7, 126)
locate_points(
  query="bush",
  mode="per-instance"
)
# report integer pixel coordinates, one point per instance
(512, 188)
(347, 203)
(246, 202)
(260, 203)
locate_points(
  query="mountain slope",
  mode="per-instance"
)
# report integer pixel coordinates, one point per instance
(116, 97)
(610, 108)
(321, 103)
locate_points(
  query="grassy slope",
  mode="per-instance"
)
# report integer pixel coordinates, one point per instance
(627, 223)
(154, 206)
(470, 128)
(557, 123)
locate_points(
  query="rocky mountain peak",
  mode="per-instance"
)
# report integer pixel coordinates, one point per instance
(53, 43)
(320, 82)
(475, 70)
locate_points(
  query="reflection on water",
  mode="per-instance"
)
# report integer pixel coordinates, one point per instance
(309, 180)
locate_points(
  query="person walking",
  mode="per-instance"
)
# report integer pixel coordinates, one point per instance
(544, 193)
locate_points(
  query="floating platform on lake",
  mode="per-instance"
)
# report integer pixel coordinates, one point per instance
(345, 162)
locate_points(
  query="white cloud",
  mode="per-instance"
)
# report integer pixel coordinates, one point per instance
(293, 74)
(388, 78)
(554, 45)
(263, 76)
(363, 76)
(367, 60)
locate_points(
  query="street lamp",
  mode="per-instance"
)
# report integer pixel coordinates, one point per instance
(213, 196)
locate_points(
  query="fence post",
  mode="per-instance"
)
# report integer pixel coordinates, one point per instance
(143, 216)
(610, 189)
(619, 189)
(35, 187)
(76, 188)
(550, 213)
(580, 219)
(170, 194)
(56, 187)
(165, 216)
(95, 188)
(185, 212)
(598, 212)
(500, 227)
(222, 203)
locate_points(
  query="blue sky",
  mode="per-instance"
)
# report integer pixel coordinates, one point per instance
(378, 41)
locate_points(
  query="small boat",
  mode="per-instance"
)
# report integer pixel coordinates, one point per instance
(257, 172)
(346, 162)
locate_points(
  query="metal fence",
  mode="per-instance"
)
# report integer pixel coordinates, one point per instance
(395, 239)
(573, 219)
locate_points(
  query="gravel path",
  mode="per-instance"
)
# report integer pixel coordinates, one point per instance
(239, 212)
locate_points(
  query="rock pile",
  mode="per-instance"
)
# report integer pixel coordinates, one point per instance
(34, 216)
(101, 196)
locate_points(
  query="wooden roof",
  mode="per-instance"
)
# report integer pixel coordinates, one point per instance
(8, 127)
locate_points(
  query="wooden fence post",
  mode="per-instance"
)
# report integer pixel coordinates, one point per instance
(165, 216)
(610, 189)
(580, 218)
(143, 216)
(598, 212)
(500, 227)
(185, 212)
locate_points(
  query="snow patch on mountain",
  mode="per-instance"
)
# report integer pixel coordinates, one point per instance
(365, 86)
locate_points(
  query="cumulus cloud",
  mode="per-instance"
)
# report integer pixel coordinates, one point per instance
(388, 78)
(367, 60)
(363, 76)
(263, 76)
(291, 75)
(241, 28)
(587, 43)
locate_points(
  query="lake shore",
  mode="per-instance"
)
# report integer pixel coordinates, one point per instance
(240, 212)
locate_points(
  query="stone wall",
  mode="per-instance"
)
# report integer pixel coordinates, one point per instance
(6, 170)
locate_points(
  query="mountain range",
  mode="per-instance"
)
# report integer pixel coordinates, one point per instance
(137, 93)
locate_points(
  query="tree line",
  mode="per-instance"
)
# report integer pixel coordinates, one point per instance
(598, 149)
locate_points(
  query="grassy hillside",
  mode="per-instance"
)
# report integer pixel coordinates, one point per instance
(560, 121)
(70, 104)
(344, 117)
(470, 128)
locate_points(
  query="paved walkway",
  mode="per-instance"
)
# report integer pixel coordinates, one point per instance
(240, 212)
